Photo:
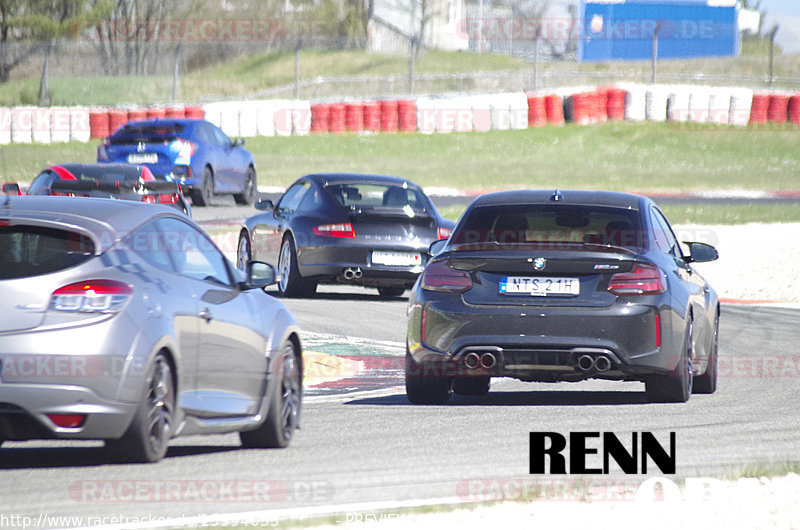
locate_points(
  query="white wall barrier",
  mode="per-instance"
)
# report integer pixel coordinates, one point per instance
(699, 104)
(678, 103)
(426, 115)
(22, 125)
(635, 101)
(5, 125)
(283, 117)
(481, 112)
(265, 118)
(656, 100)
(518, 108)
(500, 112)
(79, 130)
(741, 104)
(301, 117)
(719, 106)
(59, 124)
(213, 112)
(248, 118)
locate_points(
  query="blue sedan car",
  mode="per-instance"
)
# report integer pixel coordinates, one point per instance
(194, 153)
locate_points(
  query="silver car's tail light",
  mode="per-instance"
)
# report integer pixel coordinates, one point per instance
(643, 279)
(92, 296)
(439, 276)
(335, 230)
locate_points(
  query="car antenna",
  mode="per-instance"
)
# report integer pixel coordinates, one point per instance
(556, 196)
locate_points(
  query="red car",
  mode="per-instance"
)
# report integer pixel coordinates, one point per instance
(113, 181)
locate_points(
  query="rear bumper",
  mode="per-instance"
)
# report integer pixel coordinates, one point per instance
(24, 409)
(353, 264)
(540, 343)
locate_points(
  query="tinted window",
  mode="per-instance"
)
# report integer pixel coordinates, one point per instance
(106, 174)
(32, 250)
(291, 199)
(220, 137)
(665, 238)
(146, 133)
(192, 252)
(548, 224)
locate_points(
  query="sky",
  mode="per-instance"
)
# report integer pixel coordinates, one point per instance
(786, 13)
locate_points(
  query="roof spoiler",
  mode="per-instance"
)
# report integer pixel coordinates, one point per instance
(146, 187)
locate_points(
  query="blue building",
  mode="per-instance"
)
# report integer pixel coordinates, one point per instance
(623, 29)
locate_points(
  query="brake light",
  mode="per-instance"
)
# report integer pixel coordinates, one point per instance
(68, 421)
(149, 199)
(443, 233)
(92, 296)
(439, 276)
(335, 230)
(643, 279)
(167, 198)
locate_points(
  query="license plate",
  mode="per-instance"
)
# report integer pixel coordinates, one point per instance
(540, 286)
(143, 158)
(396, 259)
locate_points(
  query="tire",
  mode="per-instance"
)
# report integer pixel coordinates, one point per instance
(677, 386)
(472, 386)
(248, 194)
(204, 195)
(707, 383)
(391, 292)
(147, 438)
(244, 251)
(291, 283)
(285, 398)
(424, 389)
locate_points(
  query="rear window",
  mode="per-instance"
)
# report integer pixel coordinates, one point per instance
(370, 195)
(549, 225)
(108, 175)
(146, 133)
(27, 251)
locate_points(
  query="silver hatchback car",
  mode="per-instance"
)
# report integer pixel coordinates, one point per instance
(124, 322)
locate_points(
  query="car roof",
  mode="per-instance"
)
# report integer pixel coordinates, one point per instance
(554, 196)
(107, 220)
(325, 178)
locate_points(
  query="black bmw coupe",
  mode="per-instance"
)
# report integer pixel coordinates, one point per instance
(562, 286)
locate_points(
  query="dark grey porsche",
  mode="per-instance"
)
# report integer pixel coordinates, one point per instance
(562, 286)
(369, 230)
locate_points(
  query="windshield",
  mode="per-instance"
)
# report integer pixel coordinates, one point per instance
(549, 225)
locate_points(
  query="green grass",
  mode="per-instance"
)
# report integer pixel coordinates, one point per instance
(641, 157)
(756, 470)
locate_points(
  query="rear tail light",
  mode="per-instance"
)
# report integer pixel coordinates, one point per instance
(643, 279)
(149, 199)
(68, 421)
(439, 276)
(335, 230)
(92, 296)
(443, 233)
(658, 330)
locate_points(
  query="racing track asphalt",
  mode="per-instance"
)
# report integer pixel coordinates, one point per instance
(375, 446)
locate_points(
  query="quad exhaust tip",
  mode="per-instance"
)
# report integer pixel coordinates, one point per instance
(472, 360)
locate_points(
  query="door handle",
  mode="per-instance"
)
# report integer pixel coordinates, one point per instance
(205, 314)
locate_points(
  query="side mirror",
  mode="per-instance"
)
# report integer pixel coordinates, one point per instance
(11, 188)
(265, 205)
(238, 142)
(260, 274)
(701, 252)
(436, 247)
